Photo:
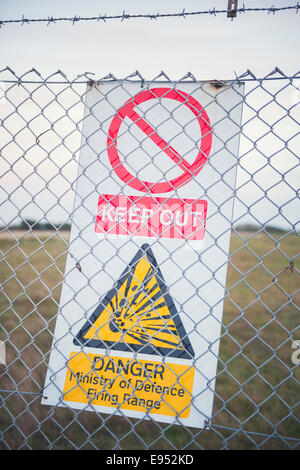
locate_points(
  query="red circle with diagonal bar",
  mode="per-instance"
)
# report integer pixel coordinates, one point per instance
(188, 170)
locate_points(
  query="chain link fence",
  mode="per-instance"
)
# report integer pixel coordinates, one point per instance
(256, 394)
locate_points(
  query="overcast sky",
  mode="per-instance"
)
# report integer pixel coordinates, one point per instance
(208, 46)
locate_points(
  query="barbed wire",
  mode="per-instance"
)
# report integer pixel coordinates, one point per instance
(124, 16)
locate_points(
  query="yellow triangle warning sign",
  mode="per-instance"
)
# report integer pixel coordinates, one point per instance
(138, 315)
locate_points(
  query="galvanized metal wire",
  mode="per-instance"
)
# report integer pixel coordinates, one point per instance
(152, 16)
(257, 383)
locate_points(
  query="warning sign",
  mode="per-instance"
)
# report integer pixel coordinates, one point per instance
(151, 217)
(146, 386)
(188, 171)
(140, 314)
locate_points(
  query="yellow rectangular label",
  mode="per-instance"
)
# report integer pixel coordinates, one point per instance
(130, 384)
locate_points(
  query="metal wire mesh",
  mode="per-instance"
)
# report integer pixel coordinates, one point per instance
(256, 395)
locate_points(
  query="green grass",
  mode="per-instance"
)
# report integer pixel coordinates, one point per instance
(256, 388)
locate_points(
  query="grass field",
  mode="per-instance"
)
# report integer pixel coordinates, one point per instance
(257, 387)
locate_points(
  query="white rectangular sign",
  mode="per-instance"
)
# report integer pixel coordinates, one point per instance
(140, 313)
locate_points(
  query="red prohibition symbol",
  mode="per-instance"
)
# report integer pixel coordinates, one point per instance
(189, 171)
